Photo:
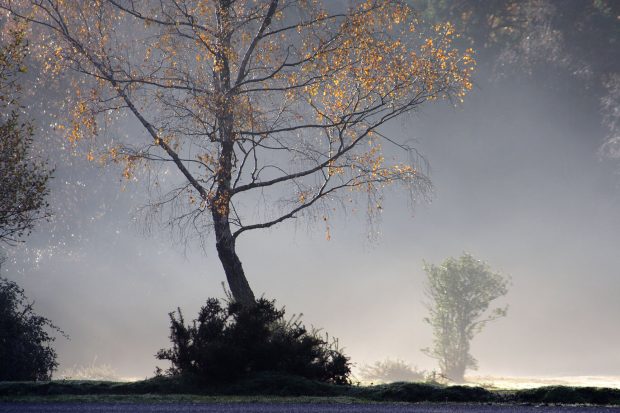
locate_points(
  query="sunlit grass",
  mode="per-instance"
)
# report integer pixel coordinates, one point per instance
(93, 371)
(522, 382)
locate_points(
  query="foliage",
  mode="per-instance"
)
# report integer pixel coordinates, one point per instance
(23, 182)
(227, 342)
(280, 104)
(25, 344)
(23, 178)
(529, 35)
(460, 291)
(389, 371)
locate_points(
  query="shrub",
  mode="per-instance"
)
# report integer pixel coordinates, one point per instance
(389, 371)
(25, 345)
(227, 342)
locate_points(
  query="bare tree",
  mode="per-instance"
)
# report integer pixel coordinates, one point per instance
(278, 102)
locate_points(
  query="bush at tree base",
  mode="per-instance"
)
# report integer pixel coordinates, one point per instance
(227, 342)
(25, 345)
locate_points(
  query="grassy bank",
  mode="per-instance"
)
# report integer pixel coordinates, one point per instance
(275, 387)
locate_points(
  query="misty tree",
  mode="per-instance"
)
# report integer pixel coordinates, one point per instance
(460, 291)
(23, 177)
(268, 110)
(574, 41)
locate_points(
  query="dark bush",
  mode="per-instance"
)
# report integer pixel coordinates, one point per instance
(25, 344)
(227, 342)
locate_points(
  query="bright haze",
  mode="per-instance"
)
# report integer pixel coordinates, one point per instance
(521, 181)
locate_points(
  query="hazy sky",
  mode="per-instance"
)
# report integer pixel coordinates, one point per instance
(518, 183)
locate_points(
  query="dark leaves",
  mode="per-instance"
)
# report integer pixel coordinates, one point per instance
(25, 343)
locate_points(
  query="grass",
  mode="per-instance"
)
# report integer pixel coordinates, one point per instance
(177, 398)
(271, 387)
(569, 395)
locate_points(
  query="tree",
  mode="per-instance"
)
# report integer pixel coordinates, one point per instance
(25, 345)
(460, 291)
(23, 178)
(277, 103)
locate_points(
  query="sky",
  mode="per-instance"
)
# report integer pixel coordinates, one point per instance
(518, 183)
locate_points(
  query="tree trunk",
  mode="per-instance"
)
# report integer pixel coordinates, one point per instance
(456, 374)
(460, 356)
(224, 241)
(235, 276)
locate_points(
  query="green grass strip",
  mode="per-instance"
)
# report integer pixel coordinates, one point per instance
(274, 387)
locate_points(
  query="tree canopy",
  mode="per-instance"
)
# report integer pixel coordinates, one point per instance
(268, 110)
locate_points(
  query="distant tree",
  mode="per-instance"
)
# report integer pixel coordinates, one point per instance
(25, 343)
(278, 104)
(576, 38)
(460, 291)
(23, 177)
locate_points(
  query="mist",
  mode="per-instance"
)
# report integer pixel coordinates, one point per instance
(519, 182)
